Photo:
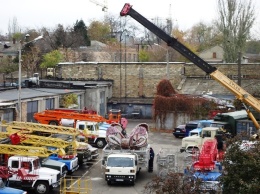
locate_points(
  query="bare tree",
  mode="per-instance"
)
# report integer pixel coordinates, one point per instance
(236, 18)
(13, 28)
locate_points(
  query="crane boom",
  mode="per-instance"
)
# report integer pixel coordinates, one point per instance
(36, 140)
(28, 150)
(239, 92)
(48, 116)
(28, 127)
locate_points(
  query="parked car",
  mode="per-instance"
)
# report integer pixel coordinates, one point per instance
(179, 131)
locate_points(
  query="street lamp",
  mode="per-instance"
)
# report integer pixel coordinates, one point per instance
(167, 59)
(21, 46)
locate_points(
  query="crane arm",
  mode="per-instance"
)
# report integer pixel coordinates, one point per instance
(28, 150)
(239, 92)
(27, 127)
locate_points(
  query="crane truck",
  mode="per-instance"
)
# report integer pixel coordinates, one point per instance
(33, 134)
(23, 168)
(85, 122)
(246, 98)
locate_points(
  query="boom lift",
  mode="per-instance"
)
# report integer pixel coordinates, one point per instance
(31, 133)
(239, 92)
(54, 117)
(28, 127)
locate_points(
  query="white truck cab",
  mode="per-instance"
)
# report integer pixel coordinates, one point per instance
(121, 167)
(195, 142)
(42, 179)
(96, 137)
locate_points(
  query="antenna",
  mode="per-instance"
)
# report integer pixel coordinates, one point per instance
(104, 5)
(169, 20)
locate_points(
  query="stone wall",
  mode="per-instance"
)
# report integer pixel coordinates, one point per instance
(141, 79)
(137, 79)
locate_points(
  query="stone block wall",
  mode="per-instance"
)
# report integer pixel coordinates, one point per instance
(133, 79)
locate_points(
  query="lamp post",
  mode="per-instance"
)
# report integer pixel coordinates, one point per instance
(20, 73)
(167, 59)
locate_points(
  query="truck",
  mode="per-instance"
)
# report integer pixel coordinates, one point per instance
(228, 121)
(85, 122)
(56, 165)
(121, 167)
(26, 172)
(247, 99)
(33, 134)
(71, 162)
(131, 151)
(97, 137)
(34, 80)
(194, 143)
(54, 117)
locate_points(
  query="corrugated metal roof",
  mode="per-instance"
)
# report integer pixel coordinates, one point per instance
(26, 93)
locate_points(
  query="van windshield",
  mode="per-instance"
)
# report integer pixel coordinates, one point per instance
(120, 162)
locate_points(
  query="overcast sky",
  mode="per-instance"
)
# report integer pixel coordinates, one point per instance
(49, 13)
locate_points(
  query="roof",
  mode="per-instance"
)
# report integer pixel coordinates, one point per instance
(242, 114)
(27, 93)
(122, 155)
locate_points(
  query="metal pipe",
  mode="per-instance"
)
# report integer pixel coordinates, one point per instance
(20, 82)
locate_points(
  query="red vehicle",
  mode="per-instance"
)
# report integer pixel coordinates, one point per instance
(54, 117)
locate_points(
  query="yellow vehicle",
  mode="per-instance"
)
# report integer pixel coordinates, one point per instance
(42, 135)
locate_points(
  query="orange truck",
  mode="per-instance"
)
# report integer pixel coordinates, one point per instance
(54, 117)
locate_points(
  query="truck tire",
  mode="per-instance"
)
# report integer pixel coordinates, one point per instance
(100, 143)
(108, 182)
(41, 187)
(53, 123)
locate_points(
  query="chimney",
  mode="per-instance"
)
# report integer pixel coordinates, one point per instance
(14, 41)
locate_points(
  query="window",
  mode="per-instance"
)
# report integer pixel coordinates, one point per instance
(49, 104)
(214, 55)
(25, 165)
(32, 107)
(15, 164)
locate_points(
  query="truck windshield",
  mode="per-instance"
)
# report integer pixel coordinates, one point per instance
(36, 164)
(203, 124)
(194, 133)
(120, 162)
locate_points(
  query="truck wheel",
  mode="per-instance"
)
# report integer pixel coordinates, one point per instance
(108, 182)
(53, 123)
(41, 187)
(100, 143)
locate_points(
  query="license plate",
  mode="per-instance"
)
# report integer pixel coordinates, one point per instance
(119, 179)
(177, 131)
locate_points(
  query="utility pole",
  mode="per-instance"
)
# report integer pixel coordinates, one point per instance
(239, 69)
